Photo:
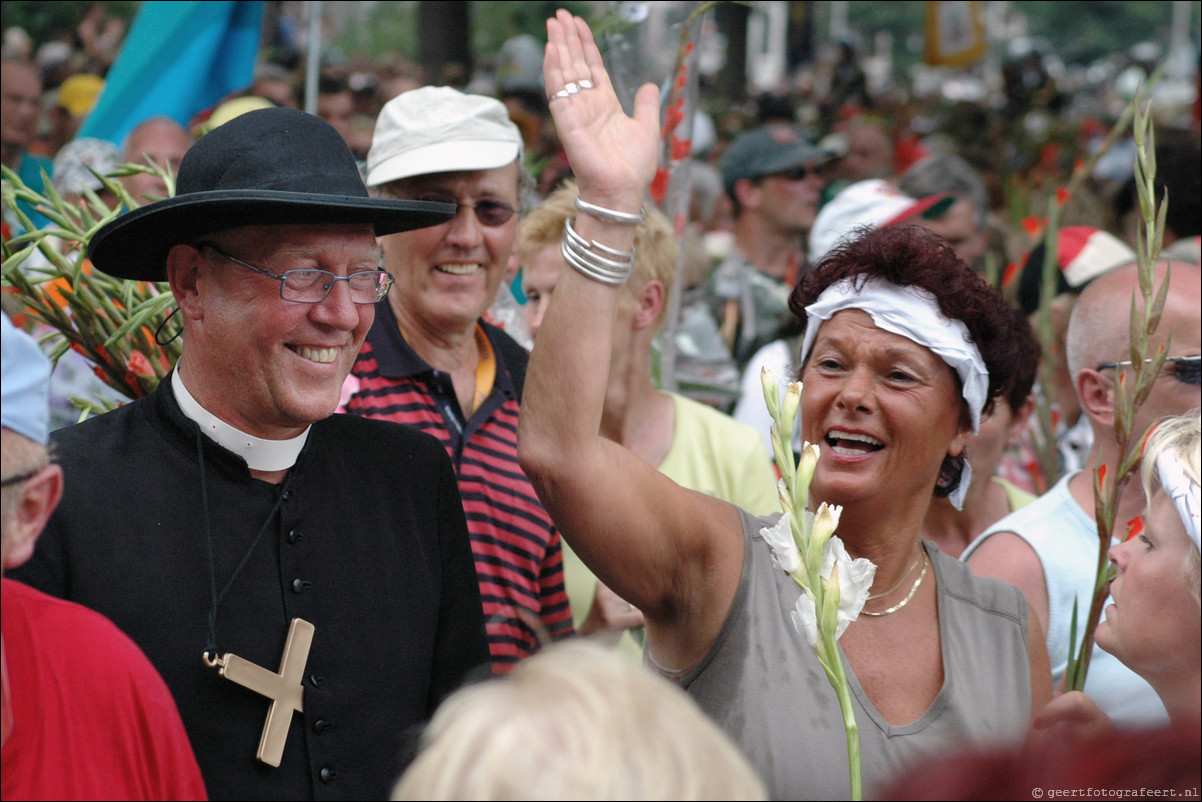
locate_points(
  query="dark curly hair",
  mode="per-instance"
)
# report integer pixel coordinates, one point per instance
(912, 256)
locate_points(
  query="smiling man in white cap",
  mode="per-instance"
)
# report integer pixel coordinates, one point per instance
(432, 360)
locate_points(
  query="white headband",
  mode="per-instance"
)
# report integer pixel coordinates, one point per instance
(1182, 490)
(912, 313)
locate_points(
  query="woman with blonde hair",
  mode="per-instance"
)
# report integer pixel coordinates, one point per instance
(1154, 625)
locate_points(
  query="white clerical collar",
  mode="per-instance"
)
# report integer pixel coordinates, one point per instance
(260, 455)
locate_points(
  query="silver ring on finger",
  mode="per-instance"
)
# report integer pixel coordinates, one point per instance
(572, 88)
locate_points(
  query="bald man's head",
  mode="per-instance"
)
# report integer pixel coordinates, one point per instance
(1099, 327)
(1099, 332)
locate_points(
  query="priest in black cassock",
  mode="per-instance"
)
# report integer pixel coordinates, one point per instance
(303, 581)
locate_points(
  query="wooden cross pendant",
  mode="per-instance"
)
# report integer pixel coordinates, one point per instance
(284, 688)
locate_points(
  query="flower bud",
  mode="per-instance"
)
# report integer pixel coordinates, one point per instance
(805, 475)
(782, 492)
(830, 601)
(771, 391)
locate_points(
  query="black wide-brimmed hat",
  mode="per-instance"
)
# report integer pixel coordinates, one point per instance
(272, 166)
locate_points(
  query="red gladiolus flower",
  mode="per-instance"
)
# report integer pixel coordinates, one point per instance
(681, 148)
(659, 186)
(1032, 225)
(1061, 195)
(1134, 527)
(672, 118)
(1009, 274)
(139, 365)
(1143, 444)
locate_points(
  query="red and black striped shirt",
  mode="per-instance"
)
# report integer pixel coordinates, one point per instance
(515, 544)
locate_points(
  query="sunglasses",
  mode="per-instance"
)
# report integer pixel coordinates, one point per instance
(799, 173)
(1186, 369)
(490, 213)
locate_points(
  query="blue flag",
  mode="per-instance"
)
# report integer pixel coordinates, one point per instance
(178, 58)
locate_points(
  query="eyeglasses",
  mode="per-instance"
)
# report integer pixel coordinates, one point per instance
(1186, 369)
(799, 173)
(311, 286)
(490, 213)
(21, 477)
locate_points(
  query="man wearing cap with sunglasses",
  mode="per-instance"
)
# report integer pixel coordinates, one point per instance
(772, 176)
(85, 715)
(431, 359)
(1049, 549)
(303, 581)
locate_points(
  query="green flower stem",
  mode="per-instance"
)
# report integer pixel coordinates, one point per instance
(1131, 389)
(843, 691)
(810, 545)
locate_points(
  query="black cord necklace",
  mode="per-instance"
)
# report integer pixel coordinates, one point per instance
(210, 652)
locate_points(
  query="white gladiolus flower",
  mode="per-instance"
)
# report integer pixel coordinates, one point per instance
(784, 549)
(855, 580)
(833, 586)
(805, 619)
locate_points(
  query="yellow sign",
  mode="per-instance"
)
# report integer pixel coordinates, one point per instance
(955, 33)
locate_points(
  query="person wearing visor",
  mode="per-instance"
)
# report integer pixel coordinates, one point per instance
(433, 360)
(1048, 549)
(302, 580)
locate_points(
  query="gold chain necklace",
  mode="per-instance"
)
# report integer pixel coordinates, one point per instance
(910, 595)
(900, 579)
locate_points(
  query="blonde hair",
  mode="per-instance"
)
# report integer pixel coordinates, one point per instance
(1180, 436)
(576, 721)
(655, 249)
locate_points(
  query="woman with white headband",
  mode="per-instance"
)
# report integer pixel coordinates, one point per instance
(1154, 625)
(903, 354)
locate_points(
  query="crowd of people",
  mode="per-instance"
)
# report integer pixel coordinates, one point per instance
(417, 449)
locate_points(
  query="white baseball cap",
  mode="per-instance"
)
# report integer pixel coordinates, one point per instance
(874, 203)
(437, 129)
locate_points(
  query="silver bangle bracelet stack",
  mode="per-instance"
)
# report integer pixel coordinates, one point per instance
(586, 256)
(601, 213)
